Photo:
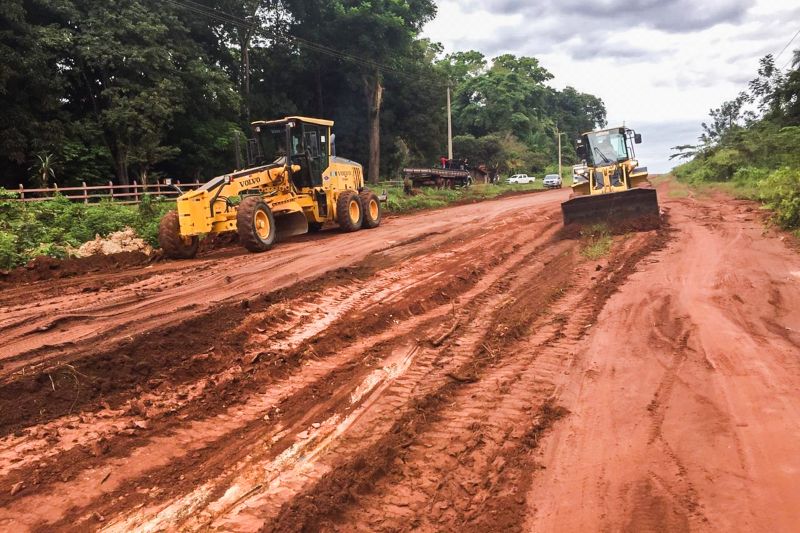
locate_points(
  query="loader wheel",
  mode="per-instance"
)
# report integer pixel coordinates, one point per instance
(349, 212)
(372, 209)
(255, 224)
(171, 241)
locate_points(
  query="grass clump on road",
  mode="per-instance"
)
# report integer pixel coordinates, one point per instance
(597, 241)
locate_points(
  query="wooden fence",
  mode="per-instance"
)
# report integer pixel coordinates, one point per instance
(124, 194)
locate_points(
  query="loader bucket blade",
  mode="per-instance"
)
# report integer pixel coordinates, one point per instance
(611, 207)
(291, 224)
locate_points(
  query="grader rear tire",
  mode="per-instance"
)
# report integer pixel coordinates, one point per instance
(349, 211)
(372, 209)
(255, 224)
(170, 240)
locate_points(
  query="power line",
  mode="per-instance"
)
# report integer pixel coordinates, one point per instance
(787, 45)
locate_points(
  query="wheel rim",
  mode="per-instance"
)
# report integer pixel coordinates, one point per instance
(373, 209)
(354, 211)
(262, 224)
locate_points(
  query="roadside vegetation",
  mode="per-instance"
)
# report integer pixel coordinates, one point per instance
(57, 227)
(431, 198)
(749, 147)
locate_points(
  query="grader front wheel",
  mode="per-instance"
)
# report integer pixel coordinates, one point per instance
(255, 224)
(174, 245)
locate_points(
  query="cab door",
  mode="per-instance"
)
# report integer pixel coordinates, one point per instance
(317, 157)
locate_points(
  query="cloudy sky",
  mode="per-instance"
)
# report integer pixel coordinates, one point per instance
(659, 65)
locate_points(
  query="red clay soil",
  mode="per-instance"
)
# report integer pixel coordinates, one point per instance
(464, 369)
(45, 268)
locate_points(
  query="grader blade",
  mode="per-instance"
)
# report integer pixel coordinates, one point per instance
(611, 207)
(291, 224)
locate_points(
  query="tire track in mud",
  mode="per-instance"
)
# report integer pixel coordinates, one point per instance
(349, 386)
(198, 287)
(401, 470)
(438, 298)
(430, 368)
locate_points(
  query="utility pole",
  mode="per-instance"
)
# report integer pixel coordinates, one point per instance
(449, 127)
(558, 134)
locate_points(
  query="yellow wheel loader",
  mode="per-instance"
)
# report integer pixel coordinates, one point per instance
(294, 183)
(613, 185)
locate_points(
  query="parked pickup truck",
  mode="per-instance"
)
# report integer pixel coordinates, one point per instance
(521, 178)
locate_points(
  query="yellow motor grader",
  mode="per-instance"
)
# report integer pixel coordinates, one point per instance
(613, 185)
(294, 183)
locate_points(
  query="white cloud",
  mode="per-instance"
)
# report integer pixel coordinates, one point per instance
(671, 62)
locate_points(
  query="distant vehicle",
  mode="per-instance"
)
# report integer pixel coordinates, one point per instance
(552, 181)
(580, 173)
(521, 178)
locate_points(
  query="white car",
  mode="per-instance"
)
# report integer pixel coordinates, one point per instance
(552, 181)
(580, 174)
(521, 178)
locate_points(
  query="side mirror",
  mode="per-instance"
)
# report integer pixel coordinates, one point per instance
(637, 138)
(580, 150)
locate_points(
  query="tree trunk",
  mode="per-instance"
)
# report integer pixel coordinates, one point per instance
(246, 77)
(374, 93)
(318, 80)
(121, 165)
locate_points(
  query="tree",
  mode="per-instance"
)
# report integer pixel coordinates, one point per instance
(128, 66)
(725, 118)
(30, 117)
(376, 32)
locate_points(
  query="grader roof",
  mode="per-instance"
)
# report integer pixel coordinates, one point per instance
(307, 120)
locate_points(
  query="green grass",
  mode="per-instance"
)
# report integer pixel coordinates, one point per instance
(431, 198)
(597, 241)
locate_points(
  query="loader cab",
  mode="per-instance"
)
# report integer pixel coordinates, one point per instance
(608, 147)
(305, 142)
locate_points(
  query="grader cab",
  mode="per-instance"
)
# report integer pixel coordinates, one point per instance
(294, 183)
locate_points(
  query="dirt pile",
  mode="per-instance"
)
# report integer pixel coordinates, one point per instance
(115, 243)
(45, 268)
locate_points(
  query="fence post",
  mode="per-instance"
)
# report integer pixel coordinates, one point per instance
(55, 186)
(111, 189)
(196, 183)
(21, 192)
(85, 193)
(135, 191)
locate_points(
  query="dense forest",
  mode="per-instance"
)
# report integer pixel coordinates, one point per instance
(751, 142)
(94, 90)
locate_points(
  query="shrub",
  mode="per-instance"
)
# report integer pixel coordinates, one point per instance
(9, 257)
(780, 191)
(28, 230)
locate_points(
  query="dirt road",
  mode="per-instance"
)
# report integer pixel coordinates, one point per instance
(463, 369)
